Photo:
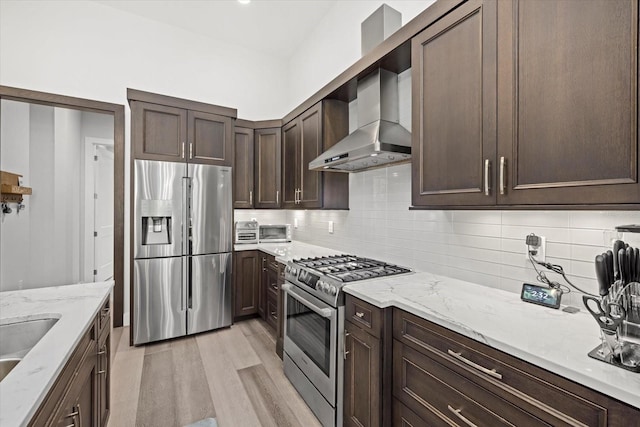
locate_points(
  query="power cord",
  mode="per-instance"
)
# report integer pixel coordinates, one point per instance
(533, 242)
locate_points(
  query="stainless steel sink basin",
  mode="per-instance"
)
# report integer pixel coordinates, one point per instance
(6, 365)
(16, 339)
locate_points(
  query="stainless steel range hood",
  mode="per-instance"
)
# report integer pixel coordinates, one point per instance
(379, 139)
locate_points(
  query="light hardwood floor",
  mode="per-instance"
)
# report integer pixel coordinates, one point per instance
(231, 374)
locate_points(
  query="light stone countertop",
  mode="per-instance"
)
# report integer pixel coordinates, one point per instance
(75, 307)
(548, 338)
(285, 252)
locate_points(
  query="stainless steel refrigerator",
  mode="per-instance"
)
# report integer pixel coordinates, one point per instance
(182, 249)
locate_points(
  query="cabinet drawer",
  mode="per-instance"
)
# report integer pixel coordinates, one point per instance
(430, 389)
(272, 264)
(405, 417)
(539, 392)
(271, 314)
(52, 403)
(104, 317)
(363, 314)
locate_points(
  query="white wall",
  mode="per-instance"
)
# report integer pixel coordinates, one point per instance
(334, 45)
(42, 245)
(14, 158)
(86, 49)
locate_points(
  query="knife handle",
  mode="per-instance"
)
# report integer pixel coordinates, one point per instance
(637, 251)
(610, 274)
(631, 264)
(622, 257)
(601, 275)
(617, 245)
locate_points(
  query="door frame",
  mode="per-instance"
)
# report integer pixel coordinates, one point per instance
(90, 144)
(117, 111)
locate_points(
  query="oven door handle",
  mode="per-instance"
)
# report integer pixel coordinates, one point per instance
(324, 312)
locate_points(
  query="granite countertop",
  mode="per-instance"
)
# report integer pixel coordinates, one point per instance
(75, 307)
(285, 252)
(551, 339)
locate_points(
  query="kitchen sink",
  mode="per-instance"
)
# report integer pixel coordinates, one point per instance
(6, 365)
(17, 338)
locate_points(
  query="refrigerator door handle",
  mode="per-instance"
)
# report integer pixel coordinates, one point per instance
(186, 226)
(185, 281)
(189, 282)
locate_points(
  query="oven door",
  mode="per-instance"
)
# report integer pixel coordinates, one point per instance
(310, 338)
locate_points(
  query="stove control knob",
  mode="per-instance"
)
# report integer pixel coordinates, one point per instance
(287, 269)
(319, 285)
(333, 290)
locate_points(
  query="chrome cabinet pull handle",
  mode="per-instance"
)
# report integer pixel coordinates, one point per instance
(277, 197)
(360, 314)
(300, 195)
(191, 150)
(462, 417)
(182, 155)
(250, 197)
(487, 164)
(345, 352)
(464, 360)
(503, 165)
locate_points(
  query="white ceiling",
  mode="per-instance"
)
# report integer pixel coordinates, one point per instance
(275, 27)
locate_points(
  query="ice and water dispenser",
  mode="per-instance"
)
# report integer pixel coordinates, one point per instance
(156, 216)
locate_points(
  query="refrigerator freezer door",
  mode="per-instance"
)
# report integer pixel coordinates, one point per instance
(210, 302)
(159, 209)
(159, 299)
(211, 209)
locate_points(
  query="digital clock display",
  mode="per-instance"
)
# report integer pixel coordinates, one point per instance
(549, 297)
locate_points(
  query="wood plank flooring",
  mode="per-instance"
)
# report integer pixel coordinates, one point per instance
(231, 374)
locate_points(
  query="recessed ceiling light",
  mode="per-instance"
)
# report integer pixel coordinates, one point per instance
(244, 1)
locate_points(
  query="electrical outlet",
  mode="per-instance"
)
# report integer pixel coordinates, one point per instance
(330, 227)
(541, 255)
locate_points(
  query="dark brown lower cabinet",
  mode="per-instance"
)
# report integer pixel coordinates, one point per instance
(444, 378)
(104, 377)
(271, 288)
(80, 394)
(280, 319)
(367, 365)
(246, 282)
(362, 378)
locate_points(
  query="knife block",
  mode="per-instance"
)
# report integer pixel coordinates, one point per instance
(624, 352)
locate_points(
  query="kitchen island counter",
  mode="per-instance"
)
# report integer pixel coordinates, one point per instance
(75, 307)
(551, 339)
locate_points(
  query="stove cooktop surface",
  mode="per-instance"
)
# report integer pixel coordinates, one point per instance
(349, 268)
(324, 277)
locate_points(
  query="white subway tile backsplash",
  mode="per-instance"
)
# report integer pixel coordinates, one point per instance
(536, 218)
(557, 235)
(485, 247)
(477, 217)
(488, 230)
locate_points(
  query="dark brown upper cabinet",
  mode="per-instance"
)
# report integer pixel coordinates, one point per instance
(454, 108)
(177, 130)
(304, 139)
(159, 132)
(527, 103)
(243, 168)
(267, 172)
(568, 102)
(210, 139)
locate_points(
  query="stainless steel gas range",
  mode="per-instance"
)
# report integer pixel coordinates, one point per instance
(314, 326)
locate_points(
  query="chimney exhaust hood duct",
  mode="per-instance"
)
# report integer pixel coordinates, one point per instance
(379, 140)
